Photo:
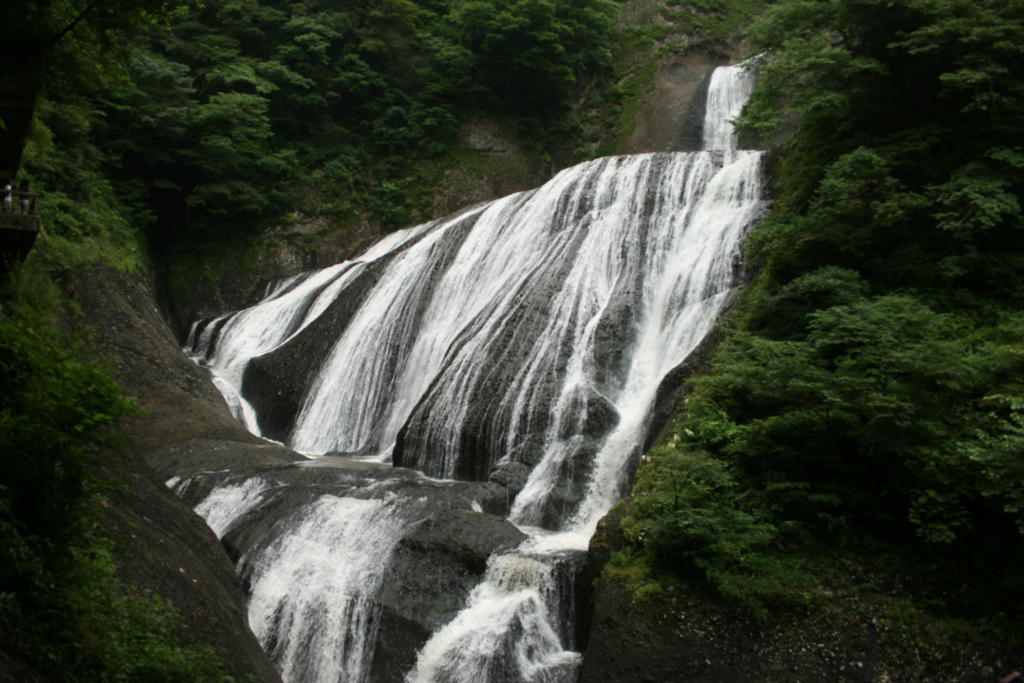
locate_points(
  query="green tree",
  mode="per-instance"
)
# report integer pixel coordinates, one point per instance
(868, 385)
(530, 52)
(63, 610)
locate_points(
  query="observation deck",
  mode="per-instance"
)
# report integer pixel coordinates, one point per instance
(19, 226)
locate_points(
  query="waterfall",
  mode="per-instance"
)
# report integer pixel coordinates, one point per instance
(728, 91)
(226, 344)
(313, 587)
(506, 631)
(521, 342)
(226, 504)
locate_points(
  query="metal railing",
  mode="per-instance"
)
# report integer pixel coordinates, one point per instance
(17, 201)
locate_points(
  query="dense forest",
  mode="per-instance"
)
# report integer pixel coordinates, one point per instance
(239, 115)
(862, 418)
(864, 408)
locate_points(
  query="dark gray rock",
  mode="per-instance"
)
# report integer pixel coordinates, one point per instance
(176, 395)
(161, 545)
(432, 573)
(187, 457)
(512, 475)
(164, 547)
(671, 116)
(276, 383)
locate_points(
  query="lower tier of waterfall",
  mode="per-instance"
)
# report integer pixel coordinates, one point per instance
(350, 566)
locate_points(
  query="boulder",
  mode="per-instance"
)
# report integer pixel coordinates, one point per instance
(432, 573)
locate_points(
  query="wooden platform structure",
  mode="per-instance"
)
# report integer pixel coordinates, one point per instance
(19, 226)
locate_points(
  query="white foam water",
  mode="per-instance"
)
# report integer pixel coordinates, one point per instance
(496, 337)
(688, 279)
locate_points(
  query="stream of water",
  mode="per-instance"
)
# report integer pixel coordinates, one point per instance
(521, 342)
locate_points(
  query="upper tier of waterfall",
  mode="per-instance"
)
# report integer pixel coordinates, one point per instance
(531, 330)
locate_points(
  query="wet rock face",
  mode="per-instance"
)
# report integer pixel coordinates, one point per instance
(481, 434)
(177, 396)
(162, 546)
(194, 455)
(464, 537)
(438, 558)
(167, 549)
(671, 115)
(276, 383)
(432, 573)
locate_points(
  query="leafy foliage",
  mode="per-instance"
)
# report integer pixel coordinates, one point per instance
(86, 216)
(690, 518)
(61, 608)
(719, 20)
(30, 29)
(692, 513)
(55, 417)
(868, 388)
(875, 411)
(260, 109)
(525, 50)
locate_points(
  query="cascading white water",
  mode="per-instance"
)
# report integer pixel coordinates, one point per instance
(286, 310)
(312, 587)
(312, 590)
(226, 504)
(507, 613)
(530, 332)
(687, 280)
(728, 91)
(355, 403)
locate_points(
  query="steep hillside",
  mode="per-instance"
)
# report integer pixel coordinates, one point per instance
(851, 455)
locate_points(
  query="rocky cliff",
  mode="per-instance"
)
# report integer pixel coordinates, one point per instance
(162, 545)
(689, 634)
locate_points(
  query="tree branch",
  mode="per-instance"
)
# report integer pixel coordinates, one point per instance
(74, 22)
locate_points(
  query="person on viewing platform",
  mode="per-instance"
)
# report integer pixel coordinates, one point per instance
(26, 200)
(8, 198)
